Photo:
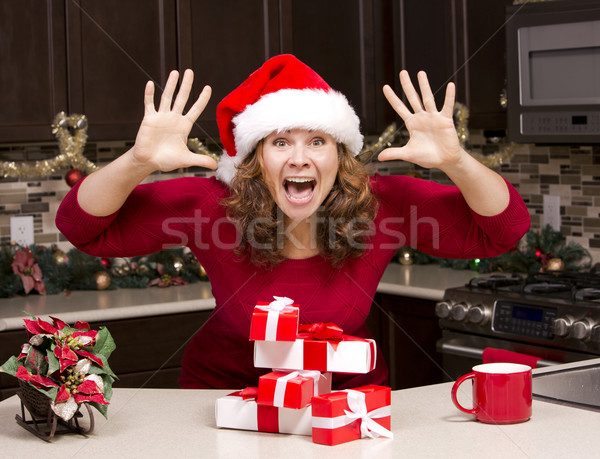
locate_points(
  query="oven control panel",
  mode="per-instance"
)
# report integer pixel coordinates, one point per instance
(524, 320)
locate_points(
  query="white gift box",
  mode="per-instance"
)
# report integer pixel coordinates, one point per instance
(235, 412)
(351, 356)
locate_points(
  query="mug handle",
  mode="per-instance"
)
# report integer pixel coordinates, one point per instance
(458, 382)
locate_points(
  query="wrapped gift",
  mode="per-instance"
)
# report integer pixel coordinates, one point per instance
(239, 410)
(292, 389)
(275, 321)
(320, 347)
(339, 417)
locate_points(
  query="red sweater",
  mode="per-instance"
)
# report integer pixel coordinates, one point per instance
(431, 217)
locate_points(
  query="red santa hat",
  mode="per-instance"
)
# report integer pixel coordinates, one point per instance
(281, 95)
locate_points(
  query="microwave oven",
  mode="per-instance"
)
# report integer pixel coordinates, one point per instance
(553, 72)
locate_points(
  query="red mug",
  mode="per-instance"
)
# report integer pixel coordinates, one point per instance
(501, 393)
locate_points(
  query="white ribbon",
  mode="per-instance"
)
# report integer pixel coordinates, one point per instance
(281, 384)
(358, 410)
(274, 308)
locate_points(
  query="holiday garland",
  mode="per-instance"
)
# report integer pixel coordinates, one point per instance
(49, 270)
(545, 250)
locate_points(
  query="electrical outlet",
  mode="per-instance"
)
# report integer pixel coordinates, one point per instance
(551, 212)
(21, 230)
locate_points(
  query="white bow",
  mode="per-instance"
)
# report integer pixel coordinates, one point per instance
(280, 302)
(358, 410)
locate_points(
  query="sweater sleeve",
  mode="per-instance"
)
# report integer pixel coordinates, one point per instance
(154, 217)
(436, 219)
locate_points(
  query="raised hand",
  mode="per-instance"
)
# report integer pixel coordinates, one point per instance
(433, 139)
(161, 141)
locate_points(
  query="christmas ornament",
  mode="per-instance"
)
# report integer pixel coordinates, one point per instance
(60, 257)
(106, 263)
(555, 264)
(406, 256)
(73, 176)
(178, 265)
(102, 280)
(71, 133)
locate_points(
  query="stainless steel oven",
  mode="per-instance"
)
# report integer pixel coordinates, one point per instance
(552, 316)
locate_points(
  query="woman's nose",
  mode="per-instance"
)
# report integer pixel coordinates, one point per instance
(299, 156)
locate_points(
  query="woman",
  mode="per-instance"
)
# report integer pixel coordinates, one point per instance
(292, 212)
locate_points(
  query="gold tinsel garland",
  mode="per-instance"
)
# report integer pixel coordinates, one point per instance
(461, 117)
(71, 133)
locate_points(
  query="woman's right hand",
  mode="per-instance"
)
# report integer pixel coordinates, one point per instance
(161, 141)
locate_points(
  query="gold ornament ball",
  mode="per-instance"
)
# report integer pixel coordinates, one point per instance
(555, 264)
(102, 280)
(60, 257)
(406, 257)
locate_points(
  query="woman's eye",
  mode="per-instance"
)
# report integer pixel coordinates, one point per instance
(318, 142)
(279, 143)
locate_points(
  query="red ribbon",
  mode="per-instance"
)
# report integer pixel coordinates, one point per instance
(267, 418)
(247, 393)
(322, 331)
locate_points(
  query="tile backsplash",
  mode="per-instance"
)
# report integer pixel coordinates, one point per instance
(570, 172)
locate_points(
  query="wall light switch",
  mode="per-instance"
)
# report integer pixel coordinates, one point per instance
(551, 212)
(21, 230)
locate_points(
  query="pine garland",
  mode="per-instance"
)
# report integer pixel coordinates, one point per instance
(532, 256)
(75, 270)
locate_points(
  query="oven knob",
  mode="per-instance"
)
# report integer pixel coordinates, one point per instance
(560, 327)
(476, 315)
(442, 309)
(459, 311)
(581, 329)
(596, 334)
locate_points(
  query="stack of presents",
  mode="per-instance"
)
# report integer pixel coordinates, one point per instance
(296, 397)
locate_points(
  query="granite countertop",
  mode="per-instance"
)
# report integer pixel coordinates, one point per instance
(425, 423)
(418, 281)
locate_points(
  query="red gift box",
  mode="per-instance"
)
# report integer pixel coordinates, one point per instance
(274, 321)
(292, 389)
(348, 415)
(239, 410)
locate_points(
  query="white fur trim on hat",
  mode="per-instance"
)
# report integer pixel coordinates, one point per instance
(314, 109)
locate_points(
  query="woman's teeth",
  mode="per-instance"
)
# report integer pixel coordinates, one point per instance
(299, 189)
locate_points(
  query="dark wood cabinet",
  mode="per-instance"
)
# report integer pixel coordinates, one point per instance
(406, 329)
(33, 78)
(148, 353)
(90, 57)
(456, 40)
(113, 48)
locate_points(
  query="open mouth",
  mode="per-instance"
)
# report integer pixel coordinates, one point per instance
(299, 189)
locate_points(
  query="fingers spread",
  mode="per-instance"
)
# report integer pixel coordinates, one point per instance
(200, 104)
(426, 94)
(396, 103)
(410, 91)
(167, 95)
(149, 98)
(448, 108)
(184, 91)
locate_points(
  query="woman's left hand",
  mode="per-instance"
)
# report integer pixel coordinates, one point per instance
(433, 139)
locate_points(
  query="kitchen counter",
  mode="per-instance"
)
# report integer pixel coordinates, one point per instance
(181, 423)
(418, 281)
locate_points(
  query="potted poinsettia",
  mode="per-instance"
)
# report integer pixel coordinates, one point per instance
(69, 365)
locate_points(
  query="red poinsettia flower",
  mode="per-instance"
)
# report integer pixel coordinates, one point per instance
(166, 280)
(27, 269)
(36, 380)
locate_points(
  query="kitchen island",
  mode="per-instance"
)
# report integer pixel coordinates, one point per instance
(425, 423)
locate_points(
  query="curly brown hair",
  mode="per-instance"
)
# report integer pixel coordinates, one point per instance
(344, 219)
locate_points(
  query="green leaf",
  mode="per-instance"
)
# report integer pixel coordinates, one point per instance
(53, 363)
(105, 344)
(102, 408)
(36, 361)
(10, 366)
(105, 370)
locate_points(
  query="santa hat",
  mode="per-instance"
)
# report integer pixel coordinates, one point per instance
(281, 95)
